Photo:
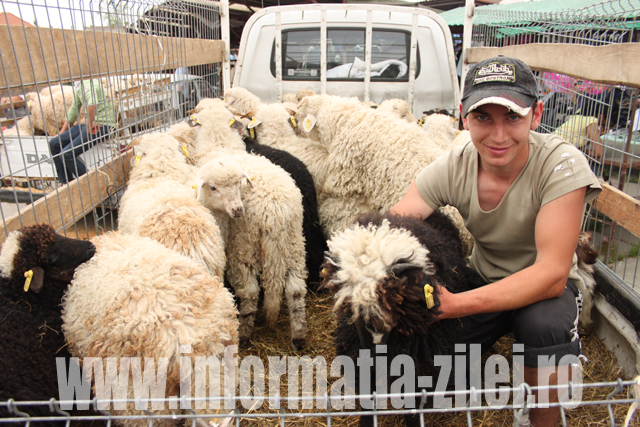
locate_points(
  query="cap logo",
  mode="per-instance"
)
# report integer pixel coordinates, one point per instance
(495, 72)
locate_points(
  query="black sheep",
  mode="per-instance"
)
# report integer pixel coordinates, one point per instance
(30, 313)
(377, 271)
(315, 242)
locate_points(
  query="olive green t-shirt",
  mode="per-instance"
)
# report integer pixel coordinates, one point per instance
(505, 236)
(90, 92)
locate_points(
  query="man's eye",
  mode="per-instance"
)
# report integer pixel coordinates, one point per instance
(212, 188)
(514, 117)
(481, 118)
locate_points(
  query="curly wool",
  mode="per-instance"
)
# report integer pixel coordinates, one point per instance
(157, 300)
(160, 156)
(399, 107)
(241, 100)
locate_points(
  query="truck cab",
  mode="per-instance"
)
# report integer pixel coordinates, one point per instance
(373, 52)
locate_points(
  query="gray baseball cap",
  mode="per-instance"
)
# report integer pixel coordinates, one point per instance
(500, 80)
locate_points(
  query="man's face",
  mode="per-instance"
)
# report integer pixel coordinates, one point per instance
(500, 135)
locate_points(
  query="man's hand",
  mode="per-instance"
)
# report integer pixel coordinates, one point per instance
(94, 128)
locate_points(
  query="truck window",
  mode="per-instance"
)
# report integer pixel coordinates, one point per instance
(390, 52)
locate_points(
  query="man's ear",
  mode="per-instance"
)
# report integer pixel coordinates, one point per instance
(464, 119)
(537, 115)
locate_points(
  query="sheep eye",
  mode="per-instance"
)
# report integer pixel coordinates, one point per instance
(212, 188)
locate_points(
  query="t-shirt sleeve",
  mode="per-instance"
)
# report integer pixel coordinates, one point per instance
(567, 169)
(433, 181)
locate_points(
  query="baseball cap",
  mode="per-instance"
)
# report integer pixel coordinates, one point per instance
(500, 80)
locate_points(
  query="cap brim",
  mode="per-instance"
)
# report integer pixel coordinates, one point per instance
(515, 101)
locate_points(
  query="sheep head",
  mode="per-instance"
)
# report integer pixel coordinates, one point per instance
(216, 126)
(219, 186)
(400, 107)
(377, 274)
(40, 250)
(159, 154)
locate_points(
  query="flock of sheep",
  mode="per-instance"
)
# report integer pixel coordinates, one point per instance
(247, 194)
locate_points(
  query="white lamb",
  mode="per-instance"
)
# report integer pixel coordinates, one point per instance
(136, 298)
(267, 240)
(241, 100)
(373, 158)
(160, 203)
(274, 128)
(442, 130)
(400, 107)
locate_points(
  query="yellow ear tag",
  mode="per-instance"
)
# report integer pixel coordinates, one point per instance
(293, 121)
(307, 124)
(457, 132)
(231, 122)
(252, 132)
(195, 187)
(253, 122)
(137, 160)
(27, 283)
(186, 152)
(428, 295)
(420, 122)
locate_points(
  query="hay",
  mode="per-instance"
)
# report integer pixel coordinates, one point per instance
(601, 367)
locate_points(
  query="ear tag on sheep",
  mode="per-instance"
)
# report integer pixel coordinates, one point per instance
(231, 122)
(186, 152)
(292, 120)
(27, 283)
(307, 124)
(420, 122)
(252, 132)
(428, 295)
(195, 187)
(137, 160)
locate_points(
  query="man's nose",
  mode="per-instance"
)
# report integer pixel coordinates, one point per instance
(499, 134)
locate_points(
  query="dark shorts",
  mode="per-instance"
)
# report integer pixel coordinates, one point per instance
(546, 328)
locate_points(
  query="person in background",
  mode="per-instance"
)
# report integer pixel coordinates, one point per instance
(74, 140)
(522, 195)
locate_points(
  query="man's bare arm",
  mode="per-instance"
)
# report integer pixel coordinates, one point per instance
(556, 234)
(412, 204)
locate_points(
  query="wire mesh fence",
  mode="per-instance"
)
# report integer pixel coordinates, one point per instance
(618, 397)
(79, 81)
(601, 119)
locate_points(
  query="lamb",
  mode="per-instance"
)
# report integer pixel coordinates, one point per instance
(373, 158)
(30, 313)
(186, 136)
(266, 241)
(377, 271)
(315, 242)
(157, 304)
(241, 100)
(174, 218)
(400, 107)
(587, 257)
(275, 127)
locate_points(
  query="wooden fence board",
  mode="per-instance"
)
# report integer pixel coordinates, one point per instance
(40, 55)
(620, 207)
(613, 64)
(63, 207)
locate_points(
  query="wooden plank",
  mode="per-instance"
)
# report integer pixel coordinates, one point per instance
(613, 64)
(620, 207)
(7, 122)
(16, 104)
(43, 55)
(62, 207)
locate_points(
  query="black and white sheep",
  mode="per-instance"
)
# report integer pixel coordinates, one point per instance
(377, 270)
(30, 312)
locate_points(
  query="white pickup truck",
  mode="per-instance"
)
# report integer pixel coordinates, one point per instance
(374, 52)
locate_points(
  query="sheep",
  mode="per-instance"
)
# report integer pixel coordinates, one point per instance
(275, 128)
(22, 128)
(266, 241)
(315, 242)
(30, 313)
(49, 111)
(174, 218)
(586, 256)
(216, 130)
(373, 158)
(241, 100)
(400, 107)
(186, 136)
(157, 304)
(377, 271)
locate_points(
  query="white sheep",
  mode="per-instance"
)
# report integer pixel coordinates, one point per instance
(186, 136)
(441, 130)
(267, 240)
(373, 158)
(136, 298)
(275, 128)
(400, 107)
(160, 203)
(241, 99)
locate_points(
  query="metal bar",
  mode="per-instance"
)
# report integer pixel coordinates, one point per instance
(367, 56)
(413, 54)
(323, 52)
(278, 58)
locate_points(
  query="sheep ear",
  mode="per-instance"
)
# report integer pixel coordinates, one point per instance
(198, 188)
(236, 124)
(193, 121)
(397, 269)
(248, 179)
(194, 111)
(229, 100)
(254, 122)
(290, 111)
(249, 115)
(309, 122)
(37, 280)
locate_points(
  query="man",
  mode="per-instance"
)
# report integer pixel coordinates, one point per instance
(522, 195)
(73, 141)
